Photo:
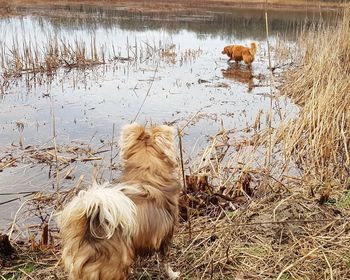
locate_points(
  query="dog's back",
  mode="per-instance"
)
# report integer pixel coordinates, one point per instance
(239, 53)
(157, 212)
(234, 52)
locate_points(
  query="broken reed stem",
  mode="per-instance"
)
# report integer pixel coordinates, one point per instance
(288, 222)
(53, 118)
(267, 41)
(269, 150)
(15, 218)
(329, 266)
(189, 121)
(148, 91)
(296, 262)
(188, 209)
(60, 202)
(17, 198)
(45, 235)
(17, 193)
(182, 160)
(25, 273)
(111, 160)
(127, 47)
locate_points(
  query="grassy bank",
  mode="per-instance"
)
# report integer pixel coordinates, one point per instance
(319, 140)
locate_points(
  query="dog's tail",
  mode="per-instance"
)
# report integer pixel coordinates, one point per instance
(90, 223)
(103, 209)
(253, 48)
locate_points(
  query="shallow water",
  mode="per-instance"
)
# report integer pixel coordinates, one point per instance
(177, 63)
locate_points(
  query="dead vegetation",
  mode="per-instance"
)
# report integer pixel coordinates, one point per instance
(39, 61)
(30, 58)
(319, 137)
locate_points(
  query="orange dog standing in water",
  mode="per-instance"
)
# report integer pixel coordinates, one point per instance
(239, 53)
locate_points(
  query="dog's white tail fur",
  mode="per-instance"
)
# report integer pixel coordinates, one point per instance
(105, 208)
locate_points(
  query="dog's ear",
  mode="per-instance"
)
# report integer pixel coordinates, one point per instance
(163, 136)
(130, 134)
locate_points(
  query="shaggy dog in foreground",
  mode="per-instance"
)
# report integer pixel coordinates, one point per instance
(239, 53)
(106, 227)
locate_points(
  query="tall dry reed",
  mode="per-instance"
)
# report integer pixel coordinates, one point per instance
(319, 139)
(46, 57)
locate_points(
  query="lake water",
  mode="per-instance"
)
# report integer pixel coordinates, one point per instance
(176, 74)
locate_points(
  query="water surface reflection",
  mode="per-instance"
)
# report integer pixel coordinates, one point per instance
(176, 57)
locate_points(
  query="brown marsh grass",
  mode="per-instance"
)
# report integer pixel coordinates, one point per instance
(319, 139)
(29, 57)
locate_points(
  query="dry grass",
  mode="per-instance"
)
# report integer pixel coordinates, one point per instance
(318, 140)
(278, 232)
(47, 57)
(30, 57)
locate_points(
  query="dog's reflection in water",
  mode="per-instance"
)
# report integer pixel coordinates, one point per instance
(239, 74)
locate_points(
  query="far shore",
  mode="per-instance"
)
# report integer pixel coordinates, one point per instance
(12, 7)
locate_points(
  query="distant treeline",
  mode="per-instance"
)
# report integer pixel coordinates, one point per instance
(237, 23)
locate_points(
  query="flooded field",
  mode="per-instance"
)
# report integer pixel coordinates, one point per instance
(152, 68)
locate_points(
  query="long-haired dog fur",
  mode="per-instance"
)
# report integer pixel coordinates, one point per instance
(106, 227)
(239, 53)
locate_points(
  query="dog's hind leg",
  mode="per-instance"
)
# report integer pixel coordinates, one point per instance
(172, 275)
(166, 268)
(164, 263)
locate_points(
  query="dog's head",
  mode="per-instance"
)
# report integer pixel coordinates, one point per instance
(226, 50)
(151, 147)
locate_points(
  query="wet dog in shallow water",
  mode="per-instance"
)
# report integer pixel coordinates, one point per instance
(239, 53)
(106, 227)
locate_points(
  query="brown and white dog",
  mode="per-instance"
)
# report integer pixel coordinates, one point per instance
(239, 53)
(106, 227)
